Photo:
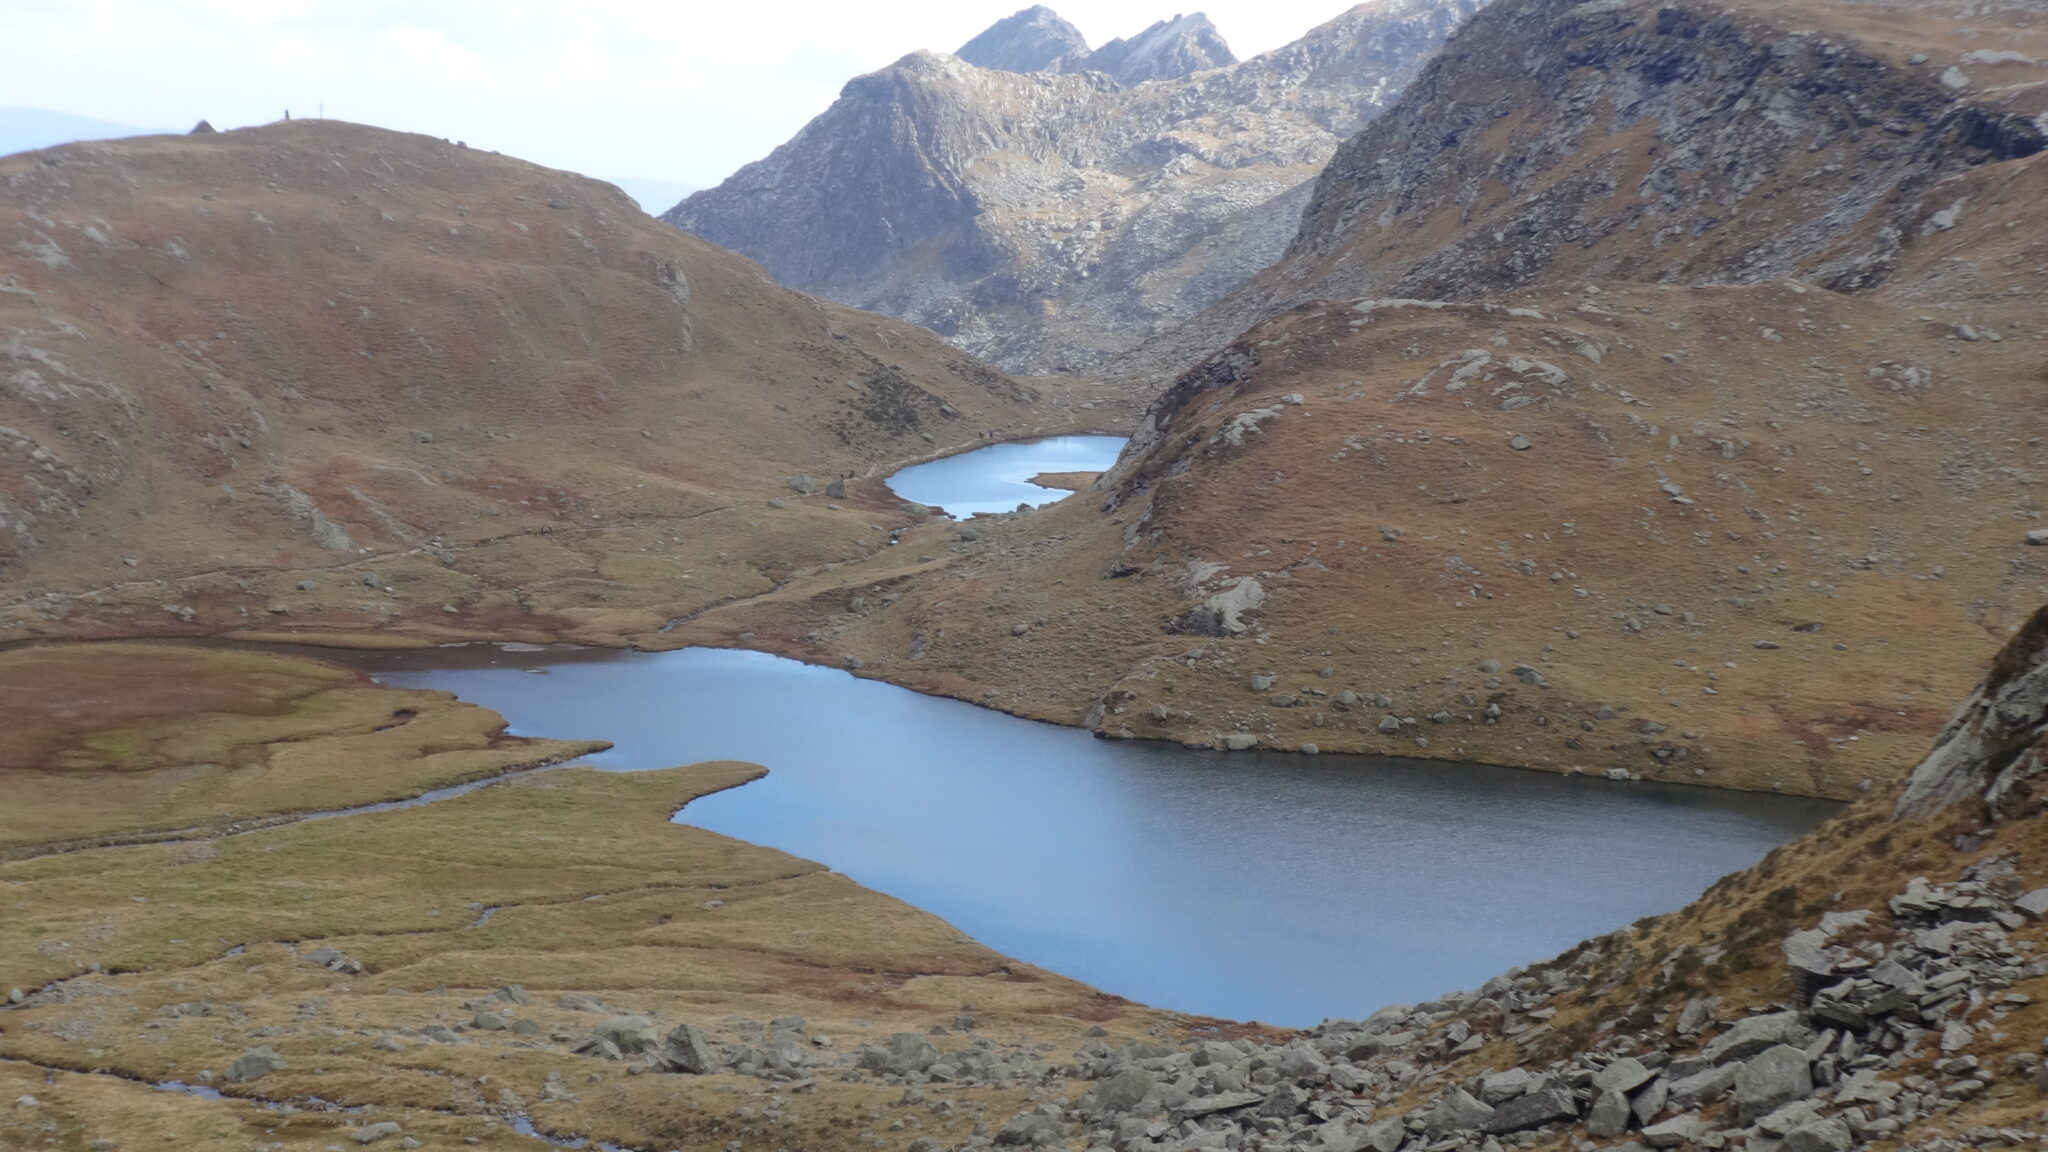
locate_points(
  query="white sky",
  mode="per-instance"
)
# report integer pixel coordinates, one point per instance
(682, 90)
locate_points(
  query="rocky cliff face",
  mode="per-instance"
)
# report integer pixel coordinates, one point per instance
(1045, 221)
(322, 375)
(1670, 143)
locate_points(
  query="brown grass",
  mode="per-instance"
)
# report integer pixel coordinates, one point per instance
(113, 742)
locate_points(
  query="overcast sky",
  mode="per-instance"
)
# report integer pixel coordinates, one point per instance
(683, 90)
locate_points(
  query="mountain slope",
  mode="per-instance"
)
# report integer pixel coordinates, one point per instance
(1046, 221)
(318, 375)
(1693, 143)
(1876, 983)
(1747, 535)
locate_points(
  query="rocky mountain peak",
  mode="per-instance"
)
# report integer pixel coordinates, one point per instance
(1034, 39)
(1167, 50)
(1047, 221)
(1037, 39)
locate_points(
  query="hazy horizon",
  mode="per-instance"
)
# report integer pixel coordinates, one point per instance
(617, 89)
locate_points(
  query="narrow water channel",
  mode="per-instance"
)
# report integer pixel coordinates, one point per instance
(1265, 886)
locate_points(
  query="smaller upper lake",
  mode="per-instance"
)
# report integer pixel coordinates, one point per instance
(998, 478)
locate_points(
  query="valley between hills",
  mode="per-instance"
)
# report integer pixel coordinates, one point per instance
(1645, 392)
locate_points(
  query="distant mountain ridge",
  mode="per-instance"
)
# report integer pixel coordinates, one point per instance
(1050, 217)
(651, 194)
(27, 129)
(1037, 39)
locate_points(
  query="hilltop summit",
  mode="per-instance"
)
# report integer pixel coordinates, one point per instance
(1167, 50)
(1035, 39)
(323, 375)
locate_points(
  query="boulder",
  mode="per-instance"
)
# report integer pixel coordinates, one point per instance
(254, 1064)
(1809, 961)
(1285, 1101)
(687, 1050)
(1456, 1111)
(1624, 1075)
(1673, 1132)
(1384, 1136)
(1703, 1087)
(1609, 1115)
(371, 1133)
(333, 960)
(1123, 1092)
(1543, 1106)
(1502, 1087)
(1774, 1078)
(1650, 1101)
(630, 1034)
(1830, 1135)
(906, 1052)
(1756, 1033)
(1031, 1130)
(1220, 1102)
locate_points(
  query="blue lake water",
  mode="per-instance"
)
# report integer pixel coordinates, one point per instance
(1261, 885)
(997, 478)
(1256, 886)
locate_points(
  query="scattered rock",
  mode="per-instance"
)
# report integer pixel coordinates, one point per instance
(632, 1035)
(687, 1050)
(1775, 1077)
(333, 960)
(1543, 1106)
(254, 1064)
